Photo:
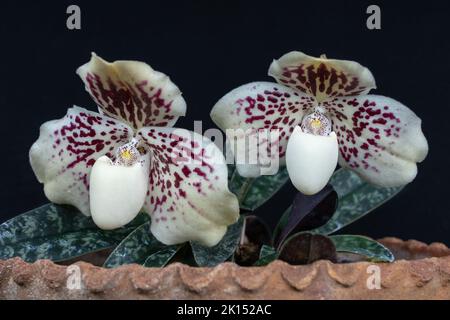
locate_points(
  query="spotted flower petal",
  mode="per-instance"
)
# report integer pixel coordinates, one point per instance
(132, 92)
(379, 138)
(320, 77)
(188, 191)
(67, 149)
(254, 107)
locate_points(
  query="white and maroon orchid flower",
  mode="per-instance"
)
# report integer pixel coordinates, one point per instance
(323, 114)
(126, 158)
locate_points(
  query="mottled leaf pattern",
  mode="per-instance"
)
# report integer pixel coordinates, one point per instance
(356, 199)
(260, 190)
(267, 254)
(161, 257)
(371, 249)
(135, 248)
(212, 256)
(57, 233)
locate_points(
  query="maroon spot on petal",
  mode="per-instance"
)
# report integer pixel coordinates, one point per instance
(379, 121)
(254, 118)
(186, 171)
(389, 115)
(199, 172)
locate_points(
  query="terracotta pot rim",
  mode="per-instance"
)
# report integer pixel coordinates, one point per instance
(423, 278)
(435, 249)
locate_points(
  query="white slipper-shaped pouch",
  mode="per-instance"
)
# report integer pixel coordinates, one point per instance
(311, 160)
(118, 189)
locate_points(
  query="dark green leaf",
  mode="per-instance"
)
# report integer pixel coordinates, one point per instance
(57, 233)
(161, 257)
(266, 256)
(308, 212)
(356, 199)
(371, 249)
(135, 248)
(231, 172)
(305, 248)
(254, 193)
(212, 256)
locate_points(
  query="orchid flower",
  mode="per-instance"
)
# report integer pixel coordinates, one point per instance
(126, 158)
(324, 115)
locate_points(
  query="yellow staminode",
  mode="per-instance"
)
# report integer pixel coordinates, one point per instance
(126, 154)
(316, 124)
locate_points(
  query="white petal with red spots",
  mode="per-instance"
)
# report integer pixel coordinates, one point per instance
(66, 150)
(131, 91)
(379, 138)
(320, 77)
(188, 195)
(260, 105)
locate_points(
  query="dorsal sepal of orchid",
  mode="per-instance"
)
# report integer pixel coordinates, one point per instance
(379, 138)
(320, 77)
(311, 160)
(132, 92)
(118, 189)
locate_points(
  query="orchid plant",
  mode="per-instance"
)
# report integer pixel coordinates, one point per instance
(127, 158)
(322, 111)
(126, 182)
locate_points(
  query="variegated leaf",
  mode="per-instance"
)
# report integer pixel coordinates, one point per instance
(369, 248)
(135, 248)
(162, 257)
(212, 256)
(356, 199)
(57, 233)
(267, 254)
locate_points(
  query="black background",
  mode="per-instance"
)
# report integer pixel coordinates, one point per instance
(211, 47)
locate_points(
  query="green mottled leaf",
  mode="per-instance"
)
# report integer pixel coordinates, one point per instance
(212, 256)
(231, 171)
(266, 256)
(57, 233)
(135, 248)
(356, 199)
(371, 249)
(253, 193)
(161, 257)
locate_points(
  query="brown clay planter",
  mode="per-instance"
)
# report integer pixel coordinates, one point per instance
(422, 272)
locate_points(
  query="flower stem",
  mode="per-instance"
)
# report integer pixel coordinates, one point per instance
(242, 241)
(243, 190)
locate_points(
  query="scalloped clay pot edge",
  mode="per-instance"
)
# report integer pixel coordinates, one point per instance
(421, 272)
